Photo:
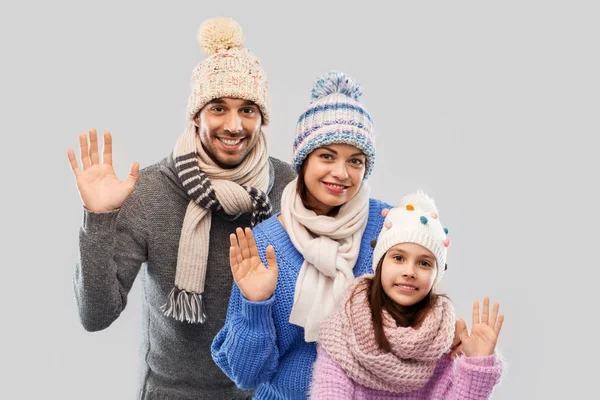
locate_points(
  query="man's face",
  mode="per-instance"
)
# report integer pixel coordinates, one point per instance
(229, 129)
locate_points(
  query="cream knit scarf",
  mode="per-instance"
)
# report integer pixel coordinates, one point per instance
(349, 338)
(330, 246)
(232, 191)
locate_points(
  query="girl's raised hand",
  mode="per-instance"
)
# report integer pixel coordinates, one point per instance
(481, 342)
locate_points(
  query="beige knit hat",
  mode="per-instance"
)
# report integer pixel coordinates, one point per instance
(229, 71)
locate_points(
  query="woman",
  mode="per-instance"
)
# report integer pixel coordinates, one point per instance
(322, 240)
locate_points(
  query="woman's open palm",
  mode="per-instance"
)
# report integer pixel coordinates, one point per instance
(256, 282)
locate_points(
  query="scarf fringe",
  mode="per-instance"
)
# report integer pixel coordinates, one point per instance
(185, 306)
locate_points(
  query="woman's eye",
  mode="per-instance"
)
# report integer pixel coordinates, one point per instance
(356, 161)
(326, 156)
(398, 258)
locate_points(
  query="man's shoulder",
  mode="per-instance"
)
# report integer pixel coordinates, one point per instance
(281, 165)
(284, 173)
(155, 168)
(154, 176)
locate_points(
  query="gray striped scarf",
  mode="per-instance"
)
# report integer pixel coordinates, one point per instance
(233, 191)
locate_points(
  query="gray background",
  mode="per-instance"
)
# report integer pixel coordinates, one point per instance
(490, 107)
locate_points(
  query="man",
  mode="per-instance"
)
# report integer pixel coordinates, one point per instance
(175, 218)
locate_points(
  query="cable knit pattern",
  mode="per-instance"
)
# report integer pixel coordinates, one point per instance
(467, 378)
(257, 347)
(230, 70)
(330, 246)
(349, 338)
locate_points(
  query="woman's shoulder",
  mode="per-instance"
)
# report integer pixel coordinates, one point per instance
(376, 206)
(271, 232)
(270, 229)
(376, 219)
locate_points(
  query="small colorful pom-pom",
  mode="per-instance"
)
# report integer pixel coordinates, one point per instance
(434, 215)
(446, 231)
(447, 242)
(410, 207)
(385, 212)
(388, 224)
(423, 220)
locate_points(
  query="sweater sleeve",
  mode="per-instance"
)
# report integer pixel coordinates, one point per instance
(473, 378)
(246, 347)
(329, 381)
(112, 247)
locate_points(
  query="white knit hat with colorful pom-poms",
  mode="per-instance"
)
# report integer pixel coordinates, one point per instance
(334, 116)
(414, 220)
(230, 70)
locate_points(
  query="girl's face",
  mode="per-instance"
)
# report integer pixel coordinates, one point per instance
(408, 273)
(332, 176)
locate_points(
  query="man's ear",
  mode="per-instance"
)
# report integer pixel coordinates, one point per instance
(196, 121)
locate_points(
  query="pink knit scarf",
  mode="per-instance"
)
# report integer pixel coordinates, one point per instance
(349, 338)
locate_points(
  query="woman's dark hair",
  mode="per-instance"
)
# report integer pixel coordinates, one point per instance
(302, 190)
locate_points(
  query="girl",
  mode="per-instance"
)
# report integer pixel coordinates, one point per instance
(391, 336)
(322, 241)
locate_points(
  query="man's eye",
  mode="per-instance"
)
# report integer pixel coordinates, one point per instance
(248, 110)
(217, 109)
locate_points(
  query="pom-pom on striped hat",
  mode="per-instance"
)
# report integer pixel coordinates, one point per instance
(335, 116)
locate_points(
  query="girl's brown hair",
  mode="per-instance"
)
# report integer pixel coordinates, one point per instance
(411, 316)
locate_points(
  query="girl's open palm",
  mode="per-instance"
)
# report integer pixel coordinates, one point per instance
(481, 342)
(256, 282)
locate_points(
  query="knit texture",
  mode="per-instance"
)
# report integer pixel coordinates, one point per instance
(335, 116)
(258, 347)
(230, 70)
(211, 189)
(175, 360)
(415, 220)
(467, 378)
(330, 247)
(349, 338)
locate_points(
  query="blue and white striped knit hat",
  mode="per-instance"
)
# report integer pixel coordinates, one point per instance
(335, 116)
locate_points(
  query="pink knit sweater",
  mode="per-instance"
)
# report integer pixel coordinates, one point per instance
(472, 378)
(350, 364)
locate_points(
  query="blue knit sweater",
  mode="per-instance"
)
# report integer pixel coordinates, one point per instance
(258, 347)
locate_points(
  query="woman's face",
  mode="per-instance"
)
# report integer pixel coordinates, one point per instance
(408, 272)
(332, 176)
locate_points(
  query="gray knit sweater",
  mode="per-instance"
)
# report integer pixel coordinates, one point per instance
(144, 232)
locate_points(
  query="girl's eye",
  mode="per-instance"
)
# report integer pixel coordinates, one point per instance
(426, 264)
(398, 258)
